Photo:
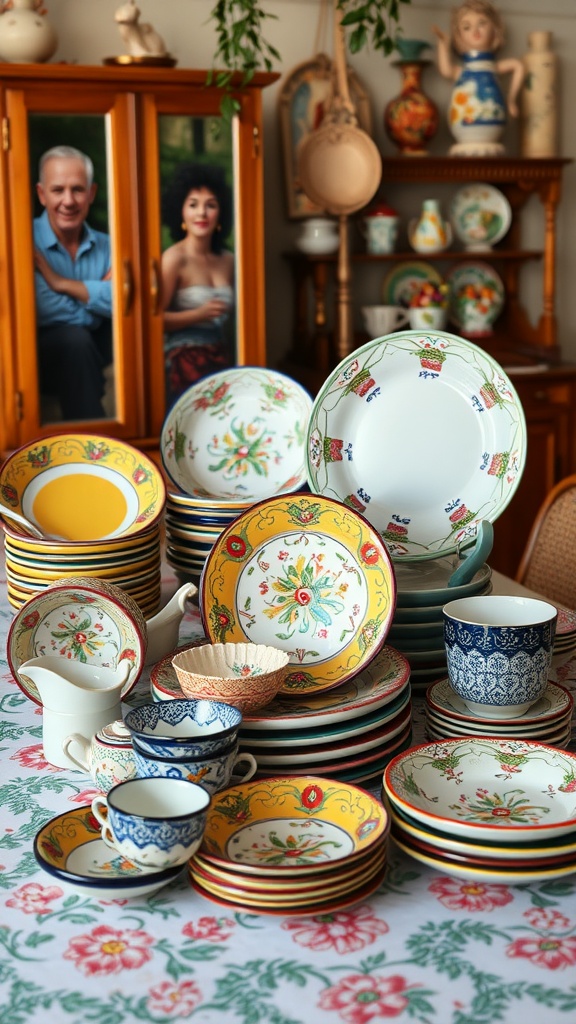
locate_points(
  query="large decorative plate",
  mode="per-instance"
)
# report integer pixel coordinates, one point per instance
(82, 620)
(307, 575)
(512, 790)
(481, 216)
(70, 848)
(424, 435)
(83, 487)
(291, 825)
(239, 434)
(405, 279)
(476, 298)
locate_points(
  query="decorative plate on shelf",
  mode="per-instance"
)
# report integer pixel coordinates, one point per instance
(401, 283)
(305, 574)
(83, 487)
(476, 298)
(424, 435)
(237, 434)
(481, 216)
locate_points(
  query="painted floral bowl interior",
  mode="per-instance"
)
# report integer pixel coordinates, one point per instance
(292, 823)
(188, 728)
(83, 487)
(83, 619)
(495, 789)
(467, 473)
(239, 434)
(248, 676)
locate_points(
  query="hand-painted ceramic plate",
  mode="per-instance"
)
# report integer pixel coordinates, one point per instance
(338, 750)
(503, 789)
(307, 575)
(476, 298)
(238, 434)
(70, 848)
(423, 434)
(401, 283)
(481, 215)
(83, 487)
(310, 908)
(555, 703)
(80, 619)
(291, 825)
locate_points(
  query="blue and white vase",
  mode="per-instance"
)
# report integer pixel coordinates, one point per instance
(477, 114)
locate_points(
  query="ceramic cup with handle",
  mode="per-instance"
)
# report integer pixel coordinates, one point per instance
(108, 756)
(381, 320)
(212, 773)
(499, 652)
(155, 823)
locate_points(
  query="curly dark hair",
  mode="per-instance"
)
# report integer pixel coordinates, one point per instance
(190, 176)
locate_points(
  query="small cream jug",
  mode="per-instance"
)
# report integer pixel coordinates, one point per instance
(430, 232)
(163, 629)
(108, 756)
(76, 698)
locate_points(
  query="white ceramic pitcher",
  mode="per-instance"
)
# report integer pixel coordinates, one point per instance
(76, 698)
(164, 627)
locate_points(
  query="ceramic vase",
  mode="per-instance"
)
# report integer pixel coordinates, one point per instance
(430, 232)
(539, 99)
(411, 119)
(26, 36)
(477, 115)
(319, 236)
(381, 229)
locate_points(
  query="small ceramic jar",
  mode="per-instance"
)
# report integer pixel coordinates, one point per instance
(381, 229)
(319, 236)
(108, 756)
(430, 232)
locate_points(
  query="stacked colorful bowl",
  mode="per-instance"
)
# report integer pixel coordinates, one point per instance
(100, 503)
(229, 441)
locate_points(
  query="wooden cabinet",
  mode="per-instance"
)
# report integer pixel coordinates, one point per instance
(530, 352)
(136, 109)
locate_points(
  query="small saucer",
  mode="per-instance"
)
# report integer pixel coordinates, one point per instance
(70, 848)
(555, 703)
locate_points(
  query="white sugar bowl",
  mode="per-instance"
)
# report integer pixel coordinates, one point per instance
(319, 237)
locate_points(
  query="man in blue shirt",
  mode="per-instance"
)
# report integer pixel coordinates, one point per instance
(73, 287)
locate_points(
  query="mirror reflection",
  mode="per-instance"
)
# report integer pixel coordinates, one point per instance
(198, 272)
(72, 268)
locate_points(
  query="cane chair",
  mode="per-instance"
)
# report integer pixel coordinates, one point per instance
(548, 564)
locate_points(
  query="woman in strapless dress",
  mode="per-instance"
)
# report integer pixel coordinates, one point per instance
(197, 277)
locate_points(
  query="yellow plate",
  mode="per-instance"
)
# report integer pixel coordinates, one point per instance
(103, 548)
(83, 487)
(278, 825)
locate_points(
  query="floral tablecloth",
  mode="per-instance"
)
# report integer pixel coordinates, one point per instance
(426, 948)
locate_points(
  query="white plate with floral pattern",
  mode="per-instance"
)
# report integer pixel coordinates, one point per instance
(555, 703)
(239, 434)
(305, 574)
(501, 789)
(424, 435)
(481, 216)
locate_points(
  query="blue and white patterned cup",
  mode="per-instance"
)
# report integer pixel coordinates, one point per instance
(184, 728)
(212, 773)
(155, 823)
(499, 652)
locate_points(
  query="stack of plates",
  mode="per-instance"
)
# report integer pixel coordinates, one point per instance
(565, 639)
(100, 503)
(349, 732)
(549, 720)
(229, 441)
(299, 846)
(491, 810)
(418, 626)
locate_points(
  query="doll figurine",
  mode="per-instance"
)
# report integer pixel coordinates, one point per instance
(477, 107)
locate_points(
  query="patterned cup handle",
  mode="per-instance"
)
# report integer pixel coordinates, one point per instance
(240, 759)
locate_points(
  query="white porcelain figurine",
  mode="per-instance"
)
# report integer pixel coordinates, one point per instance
(141, 39)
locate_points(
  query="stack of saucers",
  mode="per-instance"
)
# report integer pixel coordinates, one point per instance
(100, 503)
(565, 639)
(229, 441)
(291, 846)
(349, 732)
(549, 720)
(489, 810)
(418, 627)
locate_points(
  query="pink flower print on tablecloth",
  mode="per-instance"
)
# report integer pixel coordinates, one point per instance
(546, 917)
(210, 929)
(85, 796)
(470, 896)
(171, 1000)
(361, 998)
(33, 757)
(108, 950)
(554, 952)
(33, 898)
(344, 931)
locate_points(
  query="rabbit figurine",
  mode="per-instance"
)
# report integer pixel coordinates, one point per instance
(141, 40)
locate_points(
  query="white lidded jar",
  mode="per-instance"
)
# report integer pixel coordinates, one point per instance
(319, 236)
(539, 98)
(26, 35)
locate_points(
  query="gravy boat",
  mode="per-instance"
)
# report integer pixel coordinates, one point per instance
(163, 628)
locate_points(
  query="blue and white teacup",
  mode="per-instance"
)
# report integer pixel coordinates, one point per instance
(184, 728)
(155, 823)
(499, 652)
(212, 773)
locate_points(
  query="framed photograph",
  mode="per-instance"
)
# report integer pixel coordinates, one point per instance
(304, 99)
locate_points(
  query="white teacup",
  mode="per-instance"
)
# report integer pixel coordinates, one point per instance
(380, 320)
